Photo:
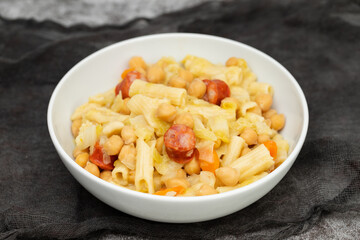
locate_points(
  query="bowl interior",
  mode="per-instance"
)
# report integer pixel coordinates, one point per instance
(101, 71)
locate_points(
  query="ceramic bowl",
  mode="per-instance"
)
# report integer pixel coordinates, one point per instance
(100, 71)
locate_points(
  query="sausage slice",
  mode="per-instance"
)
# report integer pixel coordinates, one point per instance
(216, 90)
(180, 142)
(125, 84)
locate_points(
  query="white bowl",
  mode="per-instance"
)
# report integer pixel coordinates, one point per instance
(100, 72)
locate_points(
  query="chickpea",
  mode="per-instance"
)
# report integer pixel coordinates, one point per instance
(256, 110)
(78, 151)
(192, 167)
(268, 114)
(174, 182)
(186, 75)
(268, 122)
(264, 101)
(263, 138)
(205, 189)
(197, 88)
(106, 175)
(128, 156)
(75, 127)
(277, 121)
(233, 61)
(124, 108)
(227, 175)
(128, 135)
(245, 151)
(82, 159)
(249, 135)
(137, 63)
(166, 112)
(159, 144)
(217, 143)
(207, 178)
(218, 183)
(180, 173)
(93, 169)
(155, 74)
(184, 118)
(131, 177)
(177, 82)
(113, 145)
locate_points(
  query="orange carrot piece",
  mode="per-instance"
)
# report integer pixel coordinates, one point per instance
(211, 165)
(177, 189)
(272, 147)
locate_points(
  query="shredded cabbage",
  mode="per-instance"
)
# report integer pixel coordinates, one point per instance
(87, 135)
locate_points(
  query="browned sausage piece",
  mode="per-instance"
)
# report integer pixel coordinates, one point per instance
(125, 84)
(180, 142)
(216, 90)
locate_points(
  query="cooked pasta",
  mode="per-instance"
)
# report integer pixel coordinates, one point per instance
(189, 128)
(256, 161)
(120, 174)
(175, 95)
(144, 168)
(233, 151)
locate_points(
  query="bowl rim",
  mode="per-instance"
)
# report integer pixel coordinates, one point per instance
(146, 196)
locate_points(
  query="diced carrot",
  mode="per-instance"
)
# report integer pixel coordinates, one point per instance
(210, 164)
(177, 189)
(123, 75)
(272, 147)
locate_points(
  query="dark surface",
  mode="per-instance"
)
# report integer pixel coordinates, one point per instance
(317, 42)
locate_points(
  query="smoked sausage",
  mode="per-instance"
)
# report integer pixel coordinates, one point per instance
(216, 90)
(180, 141)
(125, 84)
(97, 158)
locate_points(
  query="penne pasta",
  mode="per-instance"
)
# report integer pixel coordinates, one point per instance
(176, 96)
(233, 150)
(144, 167)
(256, 161)
(120, 174)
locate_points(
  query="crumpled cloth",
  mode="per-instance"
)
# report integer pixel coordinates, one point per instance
(317, 41)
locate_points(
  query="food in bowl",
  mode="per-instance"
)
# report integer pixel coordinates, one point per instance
(181, 129)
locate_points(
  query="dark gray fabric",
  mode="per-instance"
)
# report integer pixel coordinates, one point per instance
(318, 42)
